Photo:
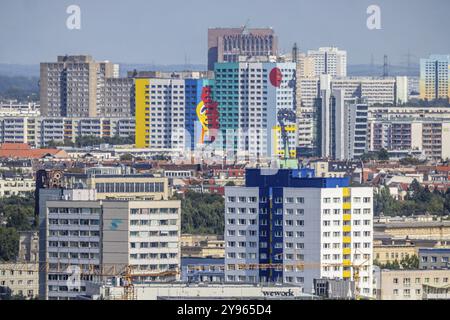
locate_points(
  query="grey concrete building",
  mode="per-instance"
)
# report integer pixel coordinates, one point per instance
(79, 86)
(227, 44)
(434, 258)
(85, 239)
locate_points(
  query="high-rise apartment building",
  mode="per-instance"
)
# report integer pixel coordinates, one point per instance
(79, 86)
(343, 126)
(374, 91)
(250, 94)
(227, 44)
(435, 77)
(286, 228)
(329, 60)
(170, 113)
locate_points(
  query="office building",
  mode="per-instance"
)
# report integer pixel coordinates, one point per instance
(434, 80)
(329, 60)
(227, 44)
(285, 228)
(86, 236)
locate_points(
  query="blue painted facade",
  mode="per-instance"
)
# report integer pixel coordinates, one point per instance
(291, 178)
(193, 93)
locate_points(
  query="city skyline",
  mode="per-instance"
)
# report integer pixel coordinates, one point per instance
(133, 40)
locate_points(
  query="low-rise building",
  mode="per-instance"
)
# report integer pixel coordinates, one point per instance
(19, 279)
(15, 185)
(432, 230)
(28, 246)
(412, 284)
(390, 252)
(202, 270)
(434, 258)
(202, 246)
(184, 291)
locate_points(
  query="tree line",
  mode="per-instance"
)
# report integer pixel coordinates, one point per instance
(418, 200)
(202, 213)
(16, 214)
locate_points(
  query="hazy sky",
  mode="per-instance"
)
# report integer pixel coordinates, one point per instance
(171, 31)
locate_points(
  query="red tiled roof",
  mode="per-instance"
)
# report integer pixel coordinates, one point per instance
(24, 151)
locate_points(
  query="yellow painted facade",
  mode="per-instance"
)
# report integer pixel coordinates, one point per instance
(280, 149)
(142, 99)
(346, 228)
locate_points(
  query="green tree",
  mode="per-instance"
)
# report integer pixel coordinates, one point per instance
(383, 155)
(202, 213)
(9, 244)
(385, 203)
(410, 263)
(126, 157)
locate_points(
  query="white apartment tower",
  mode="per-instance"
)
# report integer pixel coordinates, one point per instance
(283, 228)
(329, 60)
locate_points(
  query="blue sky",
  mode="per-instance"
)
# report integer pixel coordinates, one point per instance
(172, 31)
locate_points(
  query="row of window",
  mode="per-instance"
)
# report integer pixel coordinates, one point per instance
(295, 200)
(74, 210)
(73, 244)
(153, 256)
(82, 222)
(154, 222)
(407, 281)
(328, 234)
(129, 187)
(326, 223)
(73, 233)
(73, 255)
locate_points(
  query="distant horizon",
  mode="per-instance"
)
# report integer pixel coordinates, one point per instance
(32, 70)
(175, 31)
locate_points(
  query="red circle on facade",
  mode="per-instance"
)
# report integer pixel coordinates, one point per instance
(275, 77)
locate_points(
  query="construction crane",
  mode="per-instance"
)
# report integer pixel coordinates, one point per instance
(283, 116)
(129, 274)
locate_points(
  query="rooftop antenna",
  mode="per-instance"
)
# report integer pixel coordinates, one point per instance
(408, 57)
(245, 27)
(385, 67)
